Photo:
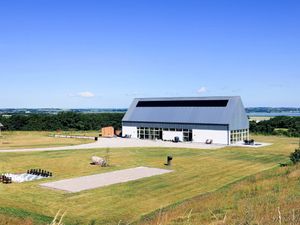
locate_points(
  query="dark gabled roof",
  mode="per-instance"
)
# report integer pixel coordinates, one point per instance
(227, 110)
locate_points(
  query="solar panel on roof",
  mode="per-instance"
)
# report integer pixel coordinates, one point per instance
(183, 103)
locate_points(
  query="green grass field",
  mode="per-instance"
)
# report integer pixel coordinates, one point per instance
(40, 139)
(195, 172)
(271, 197)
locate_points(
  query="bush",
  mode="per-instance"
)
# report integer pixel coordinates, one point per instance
(295, 156)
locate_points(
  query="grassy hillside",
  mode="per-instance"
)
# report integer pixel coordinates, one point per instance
(271, 197)
(195, 172)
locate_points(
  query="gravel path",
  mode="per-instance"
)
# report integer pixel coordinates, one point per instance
(122, 143)
(104, 179)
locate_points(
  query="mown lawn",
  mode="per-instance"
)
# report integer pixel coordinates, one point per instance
(268, 198)
(195, 172)
(40, 139)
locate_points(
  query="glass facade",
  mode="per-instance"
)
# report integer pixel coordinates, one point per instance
(149, 133)
(157, 133)
(239, 135)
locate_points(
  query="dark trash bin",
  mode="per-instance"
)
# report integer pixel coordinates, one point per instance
(169, 160)
(176, 139)
(96, 138)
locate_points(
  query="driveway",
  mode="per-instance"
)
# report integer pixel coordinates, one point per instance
(122, 143)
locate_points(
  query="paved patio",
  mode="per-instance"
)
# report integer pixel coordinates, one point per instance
(255, 145)
(123, 143)
(104, 179)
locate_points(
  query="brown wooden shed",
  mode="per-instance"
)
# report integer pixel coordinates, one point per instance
(108, 132)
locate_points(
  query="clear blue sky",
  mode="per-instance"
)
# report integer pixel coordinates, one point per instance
(58, 53)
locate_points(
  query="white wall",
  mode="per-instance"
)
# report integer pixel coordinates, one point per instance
(218, 136)
(130, 131)
(170, 135)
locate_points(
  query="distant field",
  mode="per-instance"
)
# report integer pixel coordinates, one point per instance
(195, 172)
(259, 118)
(38, 139)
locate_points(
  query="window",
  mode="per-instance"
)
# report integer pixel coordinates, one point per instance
(239, 135)
(149, 133)
(183, 103)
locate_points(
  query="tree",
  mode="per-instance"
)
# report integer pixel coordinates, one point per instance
(295, 156)
(281, 125)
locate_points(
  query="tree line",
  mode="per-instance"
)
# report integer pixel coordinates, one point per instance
(281, 125)
(61, 121)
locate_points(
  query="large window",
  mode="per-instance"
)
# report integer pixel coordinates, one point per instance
(239, 135)
(156, 133)
(149, 133)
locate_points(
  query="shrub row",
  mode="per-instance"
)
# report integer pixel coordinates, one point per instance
(62, 121)
(281, 125)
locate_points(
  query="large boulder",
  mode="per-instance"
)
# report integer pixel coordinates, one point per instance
(99, 161)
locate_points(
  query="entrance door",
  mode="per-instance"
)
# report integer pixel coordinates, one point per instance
(160, 135)
(190, 135)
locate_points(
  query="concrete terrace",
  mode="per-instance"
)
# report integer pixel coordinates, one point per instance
(123, 143)
(104, 179)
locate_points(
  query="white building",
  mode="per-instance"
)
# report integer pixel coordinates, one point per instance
(220, 119)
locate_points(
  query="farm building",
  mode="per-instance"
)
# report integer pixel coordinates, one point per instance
(220, 120)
